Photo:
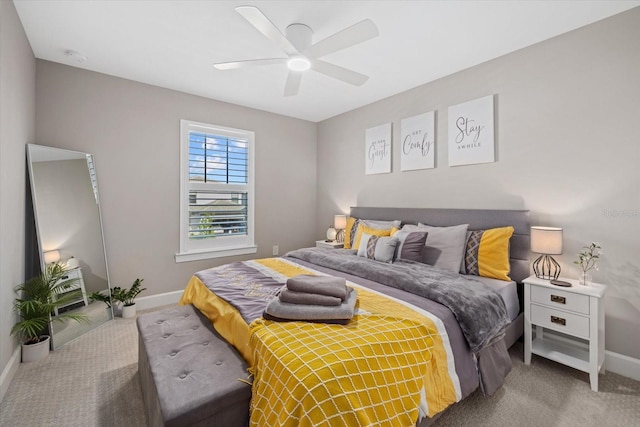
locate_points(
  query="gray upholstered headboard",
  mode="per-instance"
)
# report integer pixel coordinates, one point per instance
(477, 219)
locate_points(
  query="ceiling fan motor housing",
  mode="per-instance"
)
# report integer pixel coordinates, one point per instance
(300, 36)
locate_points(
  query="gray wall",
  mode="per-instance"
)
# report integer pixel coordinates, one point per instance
(17, 114)
(68, 217)
(567, 149)
(133, 131)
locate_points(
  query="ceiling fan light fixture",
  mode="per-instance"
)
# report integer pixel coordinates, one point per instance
(298, 63)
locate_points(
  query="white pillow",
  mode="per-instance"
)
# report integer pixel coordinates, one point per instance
(444, 247)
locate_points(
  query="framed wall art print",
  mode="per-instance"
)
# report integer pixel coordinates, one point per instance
(377, 149)
(417, 142)
(470, 132)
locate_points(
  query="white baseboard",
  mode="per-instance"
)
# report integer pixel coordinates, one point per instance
(622, 365)
(9, 372)
(153, 301)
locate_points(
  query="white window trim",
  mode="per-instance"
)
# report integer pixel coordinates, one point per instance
(231, 246)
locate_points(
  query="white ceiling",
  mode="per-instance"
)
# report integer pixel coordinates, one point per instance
(173, 44)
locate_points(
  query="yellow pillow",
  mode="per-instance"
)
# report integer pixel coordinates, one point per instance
(487, 253)
(371, 231)
(351, 222)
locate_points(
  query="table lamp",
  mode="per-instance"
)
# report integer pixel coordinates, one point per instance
(546, 241)
(51, 257)
(340, 223)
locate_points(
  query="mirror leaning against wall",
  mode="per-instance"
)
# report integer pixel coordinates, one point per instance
(68, 224)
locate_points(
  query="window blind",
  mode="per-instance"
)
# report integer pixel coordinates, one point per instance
(92, 177)
(220, 159)
(217, 212)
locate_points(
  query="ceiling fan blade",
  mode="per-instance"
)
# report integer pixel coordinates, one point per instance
(293, 83)
(249, 63)
(266, 27)
(339, 73)
(357, 33)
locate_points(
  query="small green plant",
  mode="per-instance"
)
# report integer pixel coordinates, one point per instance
(99, 296)
(127, 296)
(38, 297)
(588, 258)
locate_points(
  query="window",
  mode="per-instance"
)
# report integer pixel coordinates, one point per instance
(216, 192)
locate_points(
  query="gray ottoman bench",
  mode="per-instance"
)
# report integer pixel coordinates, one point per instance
(188, 373)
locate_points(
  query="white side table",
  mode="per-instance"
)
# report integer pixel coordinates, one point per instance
(577, 312)
(74, 273)
(329, 245)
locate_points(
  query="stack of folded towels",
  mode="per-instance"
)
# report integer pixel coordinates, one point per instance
(310, 298)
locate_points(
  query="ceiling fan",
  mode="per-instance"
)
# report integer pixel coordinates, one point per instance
(301, 54)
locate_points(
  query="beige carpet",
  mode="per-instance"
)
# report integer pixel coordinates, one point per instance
(93, 381)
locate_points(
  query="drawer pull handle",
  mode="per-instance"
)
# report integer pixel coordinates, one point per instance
(558, 320)
(558, 299)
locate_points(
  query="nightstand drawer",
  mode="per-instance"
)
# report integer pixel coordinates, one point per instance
(560, 299)
(71, 275)
(572, 324)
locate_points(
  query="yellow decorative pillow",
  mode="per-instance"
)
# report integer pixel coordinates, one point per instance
(487, 253)
(352, 223)
(371, 231)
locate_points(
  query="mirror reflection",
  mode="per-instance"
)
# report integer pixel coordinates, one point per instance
(69, 230)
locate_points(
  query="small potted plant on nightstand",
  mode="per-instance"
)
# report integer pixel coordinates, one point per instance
(38, 298)
(588, 260)
(127, 298)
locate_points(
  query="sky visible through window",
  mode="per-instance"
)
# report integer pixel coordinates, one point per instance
(219, 159)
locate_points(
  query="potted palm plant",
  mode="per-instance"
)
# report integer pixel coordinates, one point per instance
(37, 298)
(127, 297)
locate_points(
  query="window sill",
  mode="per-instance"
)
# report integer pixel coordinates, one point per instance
(215, 253)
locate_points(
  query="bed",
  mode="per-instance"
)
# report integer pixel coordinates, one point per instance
(450, 342)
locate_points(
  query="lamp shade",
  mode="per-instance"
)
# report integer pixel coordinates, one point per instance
(340, 222)
(51, 256)
(546, 240)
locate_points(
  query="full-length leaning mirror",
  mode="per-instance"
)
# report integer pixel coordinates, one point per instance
(66, 207)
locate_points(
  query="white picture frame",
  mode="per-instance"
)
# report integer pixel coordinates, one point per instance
(471, 133)
(377, 149)
(417, 142)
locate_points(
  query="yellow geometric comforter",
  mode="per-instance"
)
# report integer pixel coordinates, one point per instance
(368, 372)
(388, 362)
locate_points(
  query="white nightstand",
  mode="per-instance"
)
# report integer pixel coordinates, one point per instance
(577, 312)
(74, 273)
(329, 245)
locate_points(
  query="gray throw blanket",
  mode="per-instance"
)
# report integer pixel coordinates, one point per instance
(322, 285)
(285, 311)
(293, 297)
(480, 311)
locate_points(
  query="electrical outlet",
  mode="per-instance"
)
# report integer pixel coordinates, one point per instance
(276, 250)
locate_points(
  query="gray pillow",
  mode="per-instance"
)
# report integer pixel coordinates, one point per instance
(444, 247)
(377, 248)
(410, 244)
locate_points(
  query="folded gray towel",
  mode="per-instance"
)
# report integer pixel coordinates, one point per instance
(294, 297)
(267, 316)
(322, 285)
(287, 311)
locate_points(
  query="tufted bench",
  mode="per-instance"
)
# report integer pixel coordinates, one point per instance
(188, 373)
